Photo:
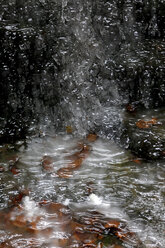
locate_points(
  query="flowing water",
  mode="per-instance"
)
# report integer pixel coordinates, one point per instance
(69, 69)
(110, 181)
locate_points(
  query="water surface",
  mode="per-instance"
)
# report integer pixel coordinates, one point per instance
(110, 181)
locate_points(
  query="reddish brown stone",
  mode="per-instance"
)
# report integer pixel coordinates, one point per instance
(47, 163)
(91, 137)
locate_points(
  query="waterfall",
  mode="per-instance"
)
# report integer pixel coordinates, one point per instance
(78, 64)
(82, 139)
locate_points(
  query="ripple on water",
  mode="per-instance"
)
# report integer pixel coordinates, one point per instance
(126, 190)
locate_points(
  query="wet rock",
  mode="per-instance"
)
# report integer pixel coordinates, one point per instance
(144, 132)
(33, 220)
(150, 16)
(56, 55)
(73, 161)
(27, 69)
(140, 74)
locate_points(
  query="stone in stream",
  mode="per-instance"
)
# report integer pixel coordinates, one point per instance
(144, 132)
(75, 160)
(33, 220)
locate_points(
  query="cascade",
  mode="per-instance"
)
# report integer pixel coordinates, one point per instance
(80, 63)
(82, 140)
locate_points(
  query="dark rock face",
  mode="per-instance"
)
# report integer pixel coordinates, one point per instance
(28, 73)
(150, 15)
(95, 55)
(144, 78)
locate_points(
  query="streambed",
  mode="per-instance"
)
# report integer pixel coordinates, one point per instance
(109, 184)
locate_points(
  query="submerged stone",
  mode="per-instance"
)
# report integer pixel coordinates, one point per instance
(145, 134)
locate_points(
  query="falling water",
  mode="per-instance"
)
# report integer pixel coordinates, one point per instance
(69, 69)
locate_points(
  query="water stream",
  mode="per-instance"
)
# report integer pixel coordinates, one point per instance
(110, 181)
(82, 124)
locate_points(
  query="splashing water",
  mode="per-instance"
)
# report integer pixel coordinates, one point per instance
(107, 186)
(76, 64)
